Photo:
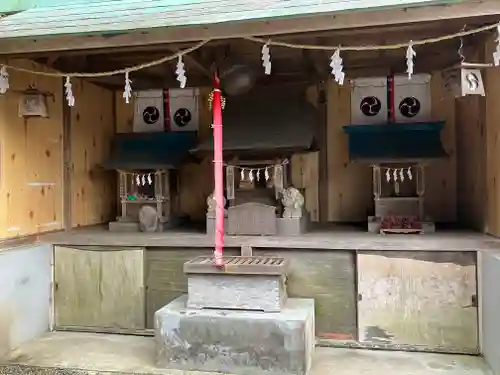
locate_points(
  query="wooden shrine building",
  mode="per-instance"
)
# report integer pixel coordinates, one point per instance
(342, 119)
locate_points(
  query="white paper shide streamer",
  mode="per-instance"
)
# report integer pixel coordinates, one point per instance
(496, 54)
(398, 174)
(253, 174)
(266, 59)
(127, 92)
(410, 62)
(69, 92)
(337, 67)
(4, 80)
(181, 73)
(143, 179)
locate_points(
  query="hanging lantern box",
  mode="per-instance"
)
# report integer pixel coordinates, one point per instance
(464, 79)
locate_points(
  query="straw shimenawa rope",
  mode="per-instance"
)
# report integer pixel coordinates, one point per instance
(267, 41)
(374, 47)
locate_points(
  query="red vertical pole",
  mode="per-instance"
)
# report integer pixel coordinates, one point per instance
(218, 171)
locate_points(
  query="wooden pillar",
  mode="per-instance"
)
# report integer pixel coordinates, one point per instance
(377, 182)
(123, 181)
(66, 188)
(165, 204)
(322, 139)
(230, 194)
(159, 192)
(420, 183)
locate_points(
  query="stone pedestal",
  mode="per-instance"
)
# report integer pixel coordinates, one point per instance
(210, 221)
(124, 226)
(374, 225)
(236, 319)
(293, 226)
(133, 226)
(236, 341)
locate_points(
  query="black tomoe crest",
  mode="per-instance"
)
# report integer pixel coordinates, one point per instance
(409, 107)
(150, 115)
(370, 106)
(182, 117)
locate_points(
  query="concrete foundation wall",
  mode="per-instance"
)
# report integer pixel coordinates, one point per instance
(489, 282)
(25, 295)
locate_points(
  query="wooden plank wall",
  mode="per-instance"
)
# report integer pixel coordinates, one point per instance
(441, 175)
(492, 125)
(478, 146)
(99, 288)
(471, 161)
(31, 157)
(350, 196)
(92, 130)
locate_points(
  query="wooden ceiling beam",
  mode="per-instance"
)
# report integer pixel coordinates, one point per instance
(316, 63)
(310, 23)
(437, 27)
(197, 59)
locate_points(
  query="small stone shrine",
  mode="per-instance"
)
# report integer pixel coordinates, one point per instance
(236, 319)
(261, 133)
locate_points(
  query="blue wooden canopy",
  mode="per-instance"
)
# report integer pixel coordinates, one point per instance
(395, 142)
(136, 151)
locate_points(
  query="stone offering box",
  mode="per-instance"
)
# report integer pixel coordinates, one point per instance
(247, 283)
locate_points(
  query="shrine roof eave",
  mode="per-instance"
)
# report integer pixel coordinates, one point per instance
(251, 153)
(126, 166)
(395, 142)
(152, 151)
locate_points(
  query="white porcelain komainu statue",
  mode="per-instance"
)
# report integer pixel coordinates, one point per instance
(293, 203)
(212, 204)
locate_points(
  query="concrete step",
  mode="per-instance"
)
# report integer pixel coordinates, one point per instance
(70, 353)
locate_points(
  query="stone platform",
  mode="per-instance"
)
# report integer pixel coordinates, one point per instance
(236, 341)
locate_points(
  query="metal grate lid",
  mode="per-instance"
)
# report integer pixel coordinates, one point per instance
(253, 265)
